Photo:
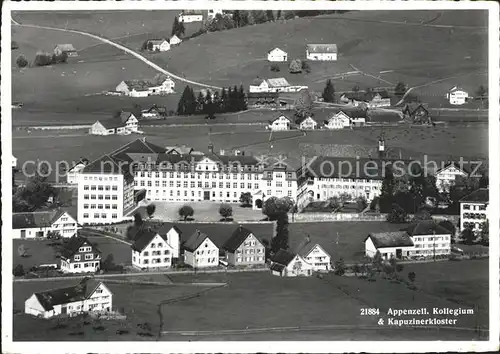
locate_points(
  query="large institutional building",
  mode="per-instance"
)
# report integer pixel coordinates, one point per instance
(110, 187)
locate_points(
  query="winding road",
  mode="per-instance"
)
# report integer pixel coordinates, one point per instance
(125, 49)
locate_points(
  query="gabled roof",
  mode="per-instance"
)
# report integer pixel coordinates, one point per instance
(66, 47)
(283, 257)
(138, 85)
(124, 116)
(281, 115)
(111, 123)
(157, 41)
(456, 88)
(390, 239)
(480, 195)
(195, 241)
(143, 238)
(412, 107)
(74, 244)
(322, 48)
(456, 165)
(35, 219)
(166, 227)
(139, 146)
(278, 82)
(276, 49)
(81, 291)
(175, 37)
(237, 238)
(426, 227)
(306, 247)
(301, 120)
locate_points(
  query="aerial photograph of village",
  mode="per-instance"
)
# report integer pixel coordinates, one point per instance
(250, 175)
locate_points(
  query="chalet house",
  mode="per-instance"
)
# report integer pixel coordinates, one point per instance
(87, 296)
(286, 264)
(244, 249)
(74, 172)
(157, 45)
(263, 100)
(339, 120)
(154, 112)
(125, 124)
(277, 55)
(417, 113)
(457, 96)
(280, 123)
(321, 52)
(446, 176)
(429, 239)
(314, 255)
(143, 88)
(397, 244)
(307, 123)
(174, 40)
(80, 256)
(190, 16)
(200, 251)
(65, 48)
(151, 250)
(39, 224)
(279, 84)
(474, 210)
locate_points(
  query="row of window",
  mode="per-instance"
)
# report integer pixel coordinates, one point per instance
(347, 187)
(156, 261)
(474, 207)
(200, 184)
(250, 251)
(249, 259)
(86, 265)
(474, 216)
(208, 252)
(432, 238)
(101, 216)
(351, 180)
(88, 257)
(99, 188)
(280, 192)
(85, 249)
(100, 197)
(193, 193)
(431, 245)
(100, 206)
(155, 253)
(100, 178)
(198, 175)
(473, 225)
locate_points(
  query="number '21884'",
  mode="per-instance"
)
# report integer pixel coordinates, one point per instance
(370, 312)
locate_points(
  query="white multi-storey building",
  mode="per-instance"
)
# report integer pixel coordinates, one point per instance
(474, 210)
(200, 251)
(151, 250)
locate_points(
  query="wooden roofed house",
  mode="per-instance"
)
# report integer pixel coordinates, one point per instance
(417, 113)
(200, 251)
(174, 40)
(306, 123)
(263, 100)
(126, 123)
(279, 123)
(68, 49)
(277, 55)
(188, 16)
(88, 295)
(243, 248)
(154, 112)
(396, 244)
(279, 84)
(288, 264)
(80, 255)
(157, 45)
(315, 255)
(39, 224)
(321, 52)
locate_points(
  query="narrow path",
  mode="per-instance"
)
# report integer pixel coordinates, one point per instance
(125, 49)
(370, 75)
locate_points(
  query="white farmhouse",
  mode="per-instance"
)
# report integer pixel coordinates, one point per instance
(125, 124)
(446, 176)
(339, 120)
(38, 224)
(87, 296)
(280, 123)
(397, 244)
(277, 55)
(174, 40)
(279, 84)
(150, 250)
(315, 255)
(286, 264)
(457, 96)
(79, 255)
(474, 210)
(157, 45)
(321, 52)
(307, 123)
(200, 251)
(190, 16)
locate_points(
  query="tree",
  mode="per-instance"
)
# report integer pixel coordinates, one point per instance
(400, 89)
(304, 104)
(387, 191)
(270, 15)
(289, 15)
(279, 15)
(275, 207)
(18, 270)
(412, 276)
(187, 103)
(178, 28)
(242, 99)
(226, 211)
(237, 18)
(468, 236)
(14, 45)
(397, 215)
(356, 268)
(421, 215)
(295, 66)
(21, 61)
(361, 203)
(334, 202)
(223, 101)
(484, 235)
(246, 199)
(186, 211)
(42, 59)
(35, 194)
(377, 260)
(481, 93)
(259, 16)
(138, 220)
(109, 263)
(340, 267)
(150, 209)
(305, 66)
(22, 251)
(280, 241)
(329, 92)
(200, 103)
(131, 233)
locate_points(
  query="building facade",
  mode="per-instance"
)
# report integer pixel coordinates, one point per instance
(244, 249)
(190, 16)
(40, 224)
(446, 176)
(474, 210)
(321, 52)
(339, 120)
(80, 256)
(457, 96)
(307, 123)
(280, 123)
(316, 257)
(200, 251)
(150, 250)
(277, 55)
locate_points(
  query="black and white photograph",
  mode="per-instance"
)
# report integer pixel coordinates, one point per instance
(250, 176)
